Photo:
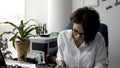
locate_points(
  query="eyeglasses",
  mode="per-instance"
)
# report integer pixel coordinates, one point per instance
(77, 32)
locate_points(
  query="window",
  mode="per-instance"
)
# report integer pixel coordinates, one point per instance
(12, 10)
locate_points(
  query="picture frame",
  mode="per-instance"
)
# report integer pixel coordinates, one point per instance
(91, 3)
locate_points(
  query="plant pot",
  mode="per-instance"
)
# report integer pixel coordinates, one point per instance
(22, 49)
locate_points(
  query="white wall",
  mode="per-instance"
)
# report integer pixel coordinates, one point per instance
(111, 17)
(58, 14)
(76, 4)
(37, 9)
(56, 11)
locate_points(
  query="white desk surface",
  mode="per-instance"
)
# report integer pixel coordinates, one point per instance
(24, 64)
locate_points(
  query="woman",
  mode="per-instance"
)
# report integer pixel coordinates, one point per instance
(83, 46)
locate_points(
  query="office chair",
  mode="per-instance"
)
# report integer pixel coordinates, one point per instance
(103, 30)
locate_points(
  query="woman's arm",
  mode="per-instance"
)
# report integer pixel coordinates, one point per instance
(59, 59)
(101, 60)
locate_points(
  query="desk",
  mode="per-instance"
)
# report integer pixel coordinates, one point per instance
(26, 64)
(40, 66)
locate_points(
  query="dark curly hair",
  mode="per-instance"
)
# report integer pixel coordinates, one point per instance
(88, 17)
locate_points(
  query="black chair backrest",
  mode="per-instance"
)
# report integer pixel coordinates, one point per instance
(104, 31)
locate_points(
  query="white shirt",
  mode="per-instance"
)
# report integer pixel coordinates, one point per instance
(93, 55)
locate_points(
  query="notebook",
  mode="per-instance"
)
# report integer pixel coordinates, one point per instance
(11, 63)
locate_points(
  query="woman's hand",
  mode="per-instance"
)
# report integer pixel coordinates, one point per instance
(60, 66)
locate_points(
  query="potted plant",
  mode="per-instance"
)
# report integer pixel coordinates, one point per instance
(20, 38)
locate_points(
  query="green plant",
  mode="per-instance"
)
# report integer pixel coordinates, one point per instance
(21, 32)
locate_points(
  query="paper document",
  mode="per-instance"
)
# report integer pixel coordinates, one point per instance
(23, 64)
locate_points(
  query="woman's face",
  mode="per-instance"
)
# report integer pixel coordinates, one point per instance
(78, 32)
